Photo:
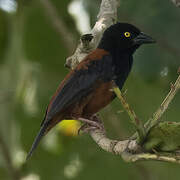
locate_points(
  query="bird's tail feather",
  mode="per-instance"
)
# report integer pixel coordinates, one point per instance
(39, 136)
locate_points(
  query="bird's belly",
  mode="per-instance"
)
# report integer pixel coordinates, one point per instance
(101, 97)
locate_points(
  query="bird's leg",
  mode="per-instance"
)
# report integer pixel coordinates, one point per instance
(86, 128)
(91, 124)
(83, 128)
(97, 119)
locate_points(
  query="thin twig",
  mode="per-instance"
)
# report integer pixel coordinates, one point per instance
(163, 107)
(5, 152)
(58, 24)
(170, 157)
(138, 124)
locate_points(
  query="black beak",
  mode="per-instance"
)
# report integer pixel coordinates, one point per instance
(143, 39)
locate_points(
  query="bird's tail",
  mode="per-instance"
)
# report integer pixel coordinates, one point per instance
(46, 126)
(39, 136)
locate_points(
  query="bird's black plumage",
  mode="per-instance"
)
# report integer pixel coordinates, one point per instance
(86, 89)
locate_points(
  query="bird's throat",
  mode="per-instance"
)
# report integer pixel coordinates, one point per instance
(123, 64)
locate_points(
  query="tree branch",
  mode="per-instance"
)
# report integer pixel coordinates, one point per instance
(106, 17)
(114, 146)
(176, 2)
(129, 150)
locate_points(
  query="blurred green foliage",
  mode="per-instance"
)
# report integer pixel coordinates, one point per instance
(164, 137)
(4, 24)
(34, 66)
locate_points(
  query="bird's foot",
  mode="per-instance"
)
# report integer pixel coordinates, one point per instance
(91, 124)
(85, 128)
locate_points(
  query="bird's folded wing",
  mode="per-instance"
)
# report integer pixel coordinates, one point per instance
(80, 84)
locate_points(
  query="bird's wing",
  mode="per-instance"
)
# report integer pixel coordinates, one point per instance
(80, 84)
(77, 85)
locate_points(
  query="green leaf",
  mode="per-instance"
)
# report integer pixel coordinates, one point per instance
(164, 137)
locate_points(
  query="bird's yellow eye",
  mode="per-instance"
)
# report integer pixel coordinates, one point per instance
(127, 34)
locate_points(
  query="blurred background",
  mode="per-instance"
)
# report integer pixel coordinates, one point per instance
(33, 49)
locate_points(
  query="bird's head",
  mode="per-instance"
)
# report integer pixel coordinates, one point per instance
(122, 37)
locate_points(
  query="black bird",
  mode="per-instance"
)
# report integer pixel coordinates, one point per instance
(86, 89)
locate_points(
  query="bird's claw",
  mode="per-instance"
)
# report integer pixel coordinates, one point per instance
(85, 128)
(91, 124)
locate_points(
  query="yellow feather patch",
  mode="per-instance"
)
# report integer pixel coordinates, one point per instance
(69, 127)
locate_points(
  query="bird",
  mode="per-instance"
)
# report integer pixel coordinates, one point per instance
(87, 88)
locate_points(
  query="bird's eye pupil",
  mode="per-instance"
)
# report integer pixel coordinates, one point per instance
(127, 34)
